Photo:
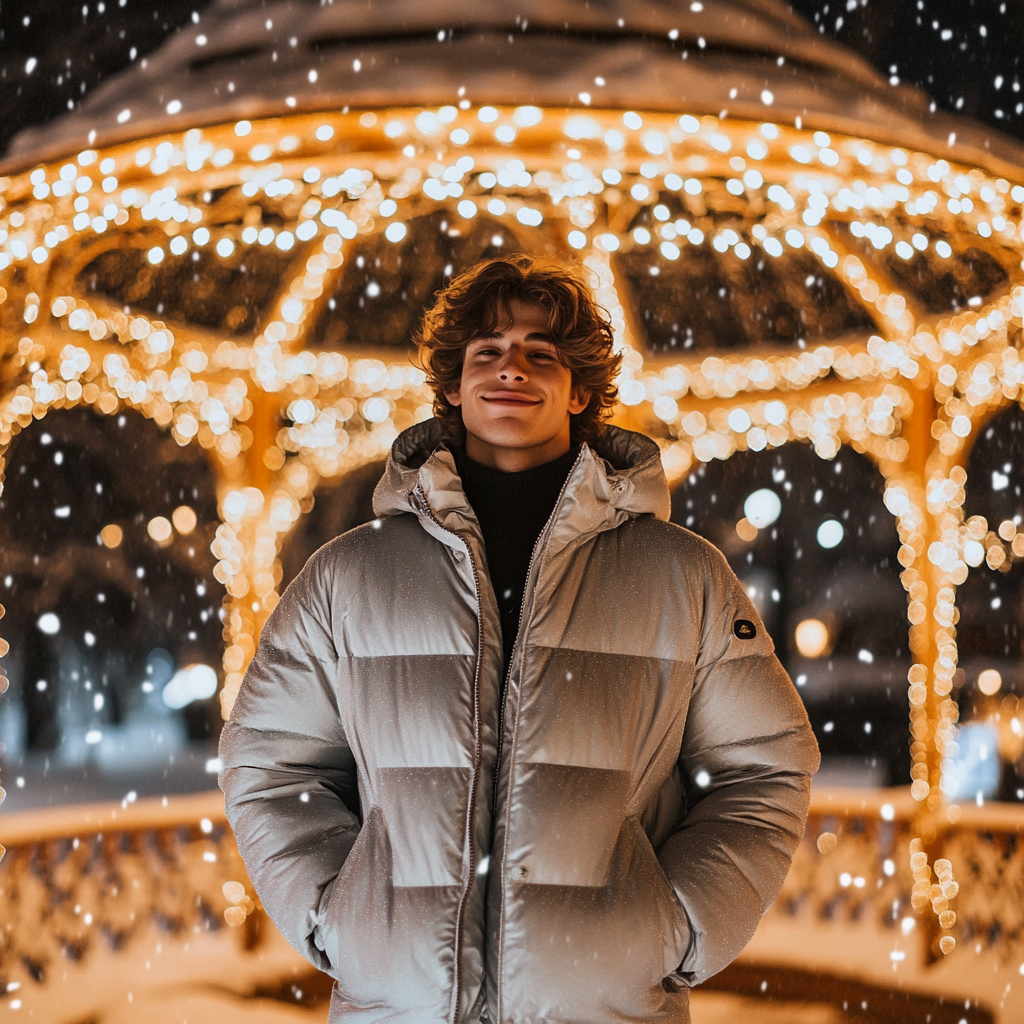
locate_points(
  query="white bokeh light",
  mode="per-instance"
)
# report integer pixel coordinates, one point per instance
(48, 623)
(762, 507)
(831, 533)
(196, 682)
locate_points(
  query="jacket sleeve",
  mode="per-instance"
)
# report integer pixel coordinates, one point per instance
(288, 775)
(746, 761)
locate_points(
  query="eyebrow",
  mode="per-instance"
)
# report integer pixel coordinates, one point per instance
(532, 336)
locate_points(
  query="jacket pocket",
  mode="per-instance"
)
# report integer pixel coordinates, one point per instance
(355, 923)
(672, 922)
(599, 952)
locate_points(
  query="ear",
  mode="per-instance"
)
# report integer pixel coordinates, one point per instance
(579, 399)
(454, 397)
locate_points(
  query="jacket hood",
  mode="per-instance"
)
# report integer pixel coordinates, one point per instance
(617, 477)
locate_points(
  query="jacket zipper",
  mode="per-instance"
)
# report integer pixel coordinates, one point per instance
(519, 633)
(478, 754)
(504, 692)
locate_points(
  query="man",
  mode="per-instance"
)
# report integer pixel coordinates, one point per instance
(519, 751)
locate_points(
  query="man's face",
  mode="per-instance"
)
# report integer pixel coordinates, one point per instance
(516, 395)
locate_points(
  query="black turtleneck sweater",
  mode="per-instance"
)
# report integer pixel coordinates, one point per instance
(512, 509)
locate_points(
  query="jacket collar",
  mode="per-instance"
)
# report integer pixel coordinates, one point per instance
(619, 477)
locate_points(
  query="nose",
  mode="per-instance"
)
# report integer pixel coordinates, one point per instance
(512, 367)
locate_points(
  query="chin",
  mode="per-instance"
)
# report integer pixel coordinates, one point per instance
(502, 429)
(505, 438)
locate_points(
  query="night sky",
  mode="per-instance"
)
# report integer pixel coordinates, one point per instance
(966, 54)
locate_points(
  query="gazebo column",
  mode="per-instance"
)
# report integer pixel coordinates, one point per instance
(928, 500)
(247, 542)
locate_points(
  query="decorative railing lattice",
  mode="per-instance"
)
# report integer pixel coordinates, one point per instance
(76, 881)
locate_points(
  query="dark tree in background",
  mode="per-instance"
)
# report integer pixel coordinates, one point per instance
(965, 54)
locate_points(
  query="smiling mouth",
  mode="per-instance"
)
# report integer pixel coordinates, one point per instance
(511, 398)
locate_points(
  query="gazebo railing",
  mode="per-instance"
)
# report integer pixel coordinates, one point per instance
(84, 889)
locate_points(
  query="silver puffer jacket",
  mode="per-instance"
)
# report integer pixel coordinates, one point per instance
(583, 851)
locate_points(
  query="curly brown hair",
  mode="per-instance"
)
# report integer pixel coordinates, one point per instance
(478, 301)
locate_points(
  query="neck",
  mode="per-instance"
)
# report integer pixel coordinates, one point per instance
(515, 460)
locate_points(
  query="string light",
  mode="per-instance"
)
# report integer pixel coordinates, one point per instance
(849, 204)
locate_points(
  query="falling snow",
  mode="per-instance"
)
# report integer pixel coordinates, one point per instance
(965, 57)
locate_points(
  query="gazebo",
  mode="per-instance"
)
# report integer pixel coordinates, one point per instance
(235, 239)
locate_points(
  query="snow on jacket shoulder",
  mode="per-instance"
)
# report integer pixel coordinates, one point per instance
(580, 845)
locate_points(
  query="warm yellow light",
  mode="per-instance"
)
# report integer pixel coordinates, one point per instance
(812, 639)
(112, 535)
(184, 519)
(159, 529)
(746, 530)
(990, 682)
(360, 416)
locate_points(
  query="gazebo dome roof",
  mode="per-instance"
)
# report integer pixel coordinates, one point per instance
(749, 58)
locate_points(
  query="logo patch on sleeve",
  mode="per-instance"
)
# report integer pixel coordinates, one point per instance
(744, 629)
